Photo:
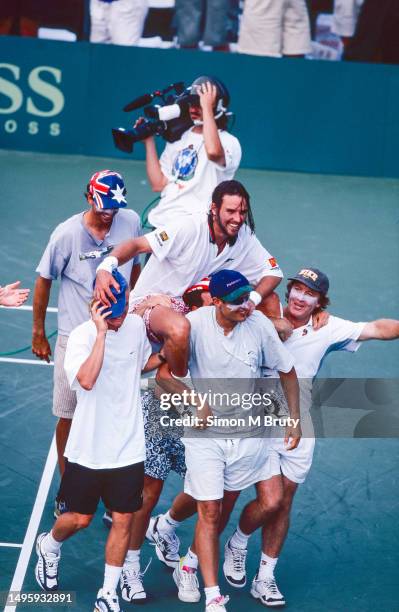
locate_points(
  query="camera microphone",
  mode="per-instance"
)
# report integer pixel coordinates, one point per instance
(163, 113)
(139, 102)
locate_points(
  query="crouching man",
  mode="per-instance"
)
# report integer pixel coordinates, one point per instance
(105, 451)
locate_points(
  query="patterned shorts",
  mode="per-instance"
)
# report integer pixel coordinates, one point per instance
(164, 451)
(177, 305)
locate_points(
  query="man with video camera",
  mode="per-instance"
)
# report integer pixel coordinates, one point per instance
(205, 155)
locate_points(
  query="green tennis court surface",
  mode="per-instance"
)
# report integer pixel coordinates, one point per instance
(341, 553)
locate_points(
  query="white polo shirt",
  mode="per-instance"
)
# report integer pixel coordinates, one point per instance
(184, 252)
(309, 347)
(107, 429)
(192, 176)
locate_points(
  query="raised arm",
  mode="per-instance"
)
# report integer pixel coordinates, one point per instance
(381, 329)
(154, 172)
(120, 255)
(213, 145)
(90, 369)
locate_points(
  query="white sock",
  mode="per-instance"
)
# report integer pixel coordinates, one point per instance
(51, 545)
(190, 560)
(132, 558)
(211, 593)
(166, 524)
(239, 539)
(111, 577)
(266, 567)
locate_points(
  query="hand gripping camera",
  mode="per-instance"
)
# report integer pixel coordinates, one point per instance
(169, 117)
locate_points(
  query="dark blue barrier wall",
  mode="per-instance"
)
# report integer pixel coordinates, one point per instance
(291, 114)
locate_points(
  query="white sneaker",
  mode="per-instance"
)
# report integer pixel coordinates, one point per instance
(266, 591)
(46, 570)
(131, 583)
(217, 604)
(107, 601)
(234, 565)
(187, 583)
(166, 544)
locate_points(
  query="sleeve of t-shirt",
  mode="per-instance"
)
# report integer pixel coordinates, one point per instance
(166, 160)
(275, 355)
(78, 349)
(54, 258)
(170, 240)
(344, 334)
(258, 261)
(232, 152)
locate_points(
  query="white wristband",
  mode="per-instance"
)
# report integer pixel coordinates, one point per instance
(255, 297)
(109, 264)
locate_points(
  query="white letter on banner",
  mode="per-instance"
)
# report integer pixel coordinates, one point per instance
(10, 90)
(45, 90)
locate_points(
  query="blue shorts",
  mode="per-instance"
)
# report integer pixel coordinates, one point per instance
(164, 451)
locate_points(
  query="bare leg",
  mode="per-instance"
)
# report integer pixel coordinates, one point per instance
(118, 539)
(174, 328)
(140, 519)
(229, 501)
(268, 500)
(183, 507)
(207, 540)
(61, 436)
(275, 529)
(69, 523)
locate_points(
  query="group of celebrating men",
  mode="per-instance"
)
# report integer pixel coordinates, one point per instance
(204, 303)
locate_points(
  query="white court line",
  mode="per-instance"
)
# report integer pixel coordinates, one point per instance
(49, 309)
(30, 361)
(37, 511)
(10, 545)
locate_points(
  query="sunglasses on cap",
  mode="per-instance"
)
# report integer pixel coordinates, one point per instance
(238, 301)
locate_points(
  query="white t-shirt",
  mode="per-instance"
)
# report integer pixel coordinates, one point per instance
(107, 428)
(192, 176)
(251, 345)
(309, 347)
(231, 364)
(184, 252)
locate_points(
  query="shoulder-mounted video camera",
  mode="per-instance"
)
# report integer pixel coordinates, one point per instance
(169, 117)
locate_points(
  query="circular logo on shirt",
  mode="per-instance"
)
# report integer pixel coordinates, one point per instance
(185, 164)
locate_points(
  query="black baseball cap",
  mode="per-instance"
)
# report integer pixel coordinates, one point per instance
(313, 278)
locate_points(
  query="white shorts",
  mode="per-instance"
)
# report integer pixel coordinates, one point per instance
(294, 464)
(120, 22)
(215, 465)
(275, 28)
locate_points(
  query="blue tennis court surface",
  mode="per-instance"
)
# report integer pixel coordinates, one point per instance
(341, 552)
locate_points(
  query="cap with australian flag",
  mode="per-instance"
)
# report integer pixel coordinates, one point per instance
(108, 190)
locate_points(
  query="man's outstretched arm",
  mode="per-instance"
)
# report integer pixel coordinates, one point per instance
(122, 253)
(381, 329)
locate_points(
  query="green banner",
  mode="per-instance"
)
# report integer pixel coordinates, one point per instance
(291, 114)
